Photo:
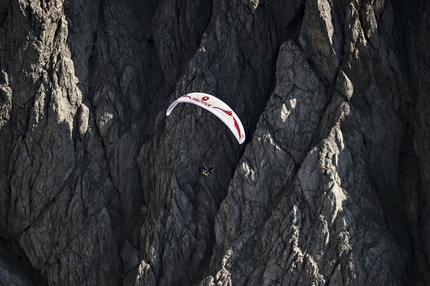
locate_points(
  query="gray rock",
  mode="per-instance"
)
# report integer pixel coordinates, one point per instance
(99, 187)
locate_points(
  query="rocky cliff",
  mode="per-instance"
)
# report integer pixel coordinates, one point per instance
(99, 187)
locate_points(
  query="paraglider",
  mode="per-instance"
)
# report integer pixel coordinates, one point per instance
(216, 107)
(206, 171)
(219, 109)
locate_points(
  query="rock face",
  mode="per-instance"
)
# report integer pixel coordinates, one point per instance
(99, 187)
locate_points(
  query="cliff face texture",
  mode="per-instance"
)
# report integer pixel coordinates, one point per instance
(99, 187)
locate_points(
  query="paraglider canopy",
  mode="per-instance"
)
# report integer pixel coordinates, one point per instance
(216, 107)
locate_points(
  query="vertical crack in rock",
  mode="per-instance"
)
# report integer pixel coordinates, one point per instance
(410, 22)
(99, 187)
(183, 204)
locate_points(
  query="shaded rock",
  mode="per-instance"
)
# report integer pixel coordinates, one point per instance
(99, 187)
(15, 269)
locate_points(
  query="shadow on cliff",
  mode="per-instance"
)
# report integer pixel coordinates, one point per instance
(15, 263)
(122, 74)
